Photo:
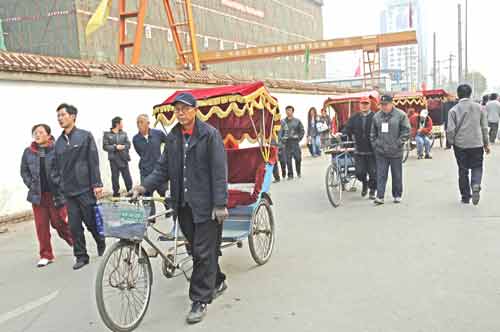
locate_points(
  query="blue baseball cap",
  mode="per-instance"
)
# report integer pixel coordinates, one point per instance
(386, 99)
(185, 98)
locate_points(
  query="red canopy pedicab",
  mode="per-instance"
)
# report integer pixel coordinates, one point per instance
(244, 115)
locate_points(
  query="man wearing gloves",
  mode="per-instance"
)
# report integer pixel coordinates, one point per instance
(194, 161)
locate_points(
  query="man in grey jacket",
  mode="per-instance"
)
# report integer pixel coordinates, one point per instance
(468, 133)
(116, 143)
(389, 132)
(493, 112)
(292, 148)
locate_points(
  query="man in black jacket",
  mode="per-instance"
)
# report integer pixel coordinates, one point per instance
(116, 143)
(359, 127)
(194, 160)
(77, 160)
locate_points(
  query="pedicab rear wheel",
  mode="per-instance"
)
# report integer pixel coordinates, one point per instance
(262, 234)
(123, 286)
(333, 185)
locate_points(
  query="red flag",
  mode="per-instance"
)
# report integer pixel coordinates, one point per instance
(410, 18)
(357, 73)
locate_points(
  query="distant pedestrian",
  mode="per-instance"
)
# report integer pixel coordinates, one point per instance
(358, 127)
(77, 160)
(389, 133)
(292, 146)
(116, 143)
(281, 142)
(148, 145)
(44, 192)
(493, 112)
(314, 129)
(326, 127)
(468, 133)
(421, 129)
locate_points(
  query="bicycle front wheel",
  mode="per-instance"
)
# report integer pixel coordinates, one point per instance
(333, 184)
(123, 286)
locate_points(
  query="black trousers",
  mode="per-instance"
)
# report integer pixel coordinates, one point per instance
(282, 165)
(293, 152)
(205, 240)
(493, 131)
(469, 161)
(161, 189)
(366, 170)
(81, 209)
(116, 169)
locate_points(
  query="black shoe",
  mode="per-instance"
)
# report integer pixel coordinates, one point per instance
(476, 189)
(197, 313)
(116, 195)
(428, 156)
(364, 191)
(290, 178)
(219, 290)
(79, 264)
(465, 201)
(101, 248)
(419, 157)
(277, 180)
(372, 195)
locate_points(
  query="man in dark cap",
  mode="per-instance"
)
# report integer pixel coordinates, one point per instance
(389, 133)
(194, 161)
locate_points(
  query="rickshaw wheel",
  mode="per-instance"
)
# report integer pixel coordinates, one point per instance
(123, 286)
(262, 235)
(333, 185)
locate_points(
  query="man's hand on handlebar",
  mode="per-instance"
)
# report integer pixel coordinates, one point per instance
(136, 192)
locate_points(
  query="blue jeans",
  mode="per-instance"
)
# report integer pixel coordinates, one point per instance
(396, 165)
(423, 142)
(316, 146)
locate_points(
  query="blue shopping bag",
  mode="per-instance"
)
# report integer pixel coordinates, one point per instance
(99, 219)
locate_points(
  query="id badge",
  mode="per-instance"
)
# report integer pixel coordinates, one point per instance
(385, 127)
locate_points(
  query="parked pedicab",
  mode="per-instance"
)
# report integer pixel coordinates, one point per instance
(245, 114)
(341, 172)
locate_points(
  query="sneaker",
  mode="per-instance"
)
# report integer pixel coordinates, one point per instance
(364, 191)
(378, 201)
(79, 264)
(420, 157)
(44, 262)
(372, 195)
(197, 313)
(428, 156)
(476, 189)
(219, 290)
(397, 200)
(465, 201)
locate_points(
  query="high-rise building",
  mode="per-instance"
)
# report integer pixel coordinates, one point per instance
(409, 63)
(57, 27)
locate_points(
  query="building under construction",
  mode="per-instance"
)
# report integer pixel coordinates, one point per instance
(57, 28)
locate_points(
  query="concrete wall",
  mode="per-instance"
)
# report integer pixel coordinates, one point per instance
(24, 104)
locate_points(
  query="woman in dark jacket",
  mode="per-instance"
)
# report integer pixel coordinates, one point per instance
(44, 194)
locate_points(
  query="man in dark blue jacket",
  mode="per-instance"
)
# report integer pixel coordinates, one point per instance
(195, 162)
(77, 160)
(147, 143)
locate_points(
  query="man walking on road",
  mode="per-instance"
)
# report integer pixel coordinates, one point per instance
(493, 112)
(116, 143)
(77, 160)
(468, 133)
(358, 127)
(390, 131)
(194, 160)
(292, 146)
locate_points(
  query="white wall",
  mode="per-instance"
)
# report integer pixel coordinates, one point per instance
(24, 104)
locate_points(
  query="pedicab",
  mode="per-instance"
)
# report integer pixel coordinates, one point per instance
(433, 101)
(245, 115)
(341, 172)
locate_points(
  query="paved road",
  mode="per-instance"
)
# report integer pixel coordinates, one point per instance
(429, 264)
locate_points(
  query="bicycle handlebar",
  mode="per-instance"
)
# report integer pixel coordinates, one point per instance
(140, 199)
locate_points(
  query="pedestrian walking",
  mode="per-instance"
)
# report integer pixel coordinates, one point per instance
(358, 127)
(421, 129)
(389, 133)
(44, 193)
(282, 138)
(468, 134)
(314, 129)
(77, 162)
(493, 112)
(292, 145)
(194, 161)
(148, 145)
(326, 128)
(116, 143)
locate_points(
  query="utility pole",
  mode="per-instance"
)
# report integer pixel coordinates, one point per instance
(466, 40)
(450, 75)
(460, 70)
(434, 66)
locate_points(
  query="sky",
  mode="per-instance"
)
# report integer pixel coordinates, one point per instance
(357, 17)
